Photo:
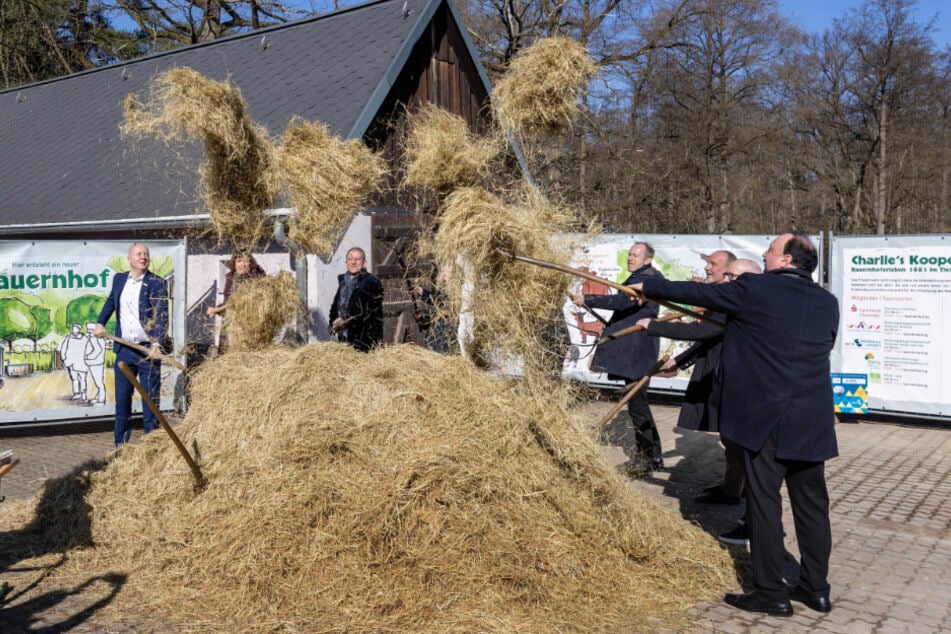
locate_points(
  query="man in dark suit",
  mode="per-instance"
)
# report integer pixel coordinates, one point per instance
(139, 300)
(701, 399)
(630, 357)
(701, 404)
(777, 405)
(356, 315)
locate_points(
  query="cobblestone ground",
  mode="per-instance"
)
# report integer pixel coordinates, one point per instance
(891, 524)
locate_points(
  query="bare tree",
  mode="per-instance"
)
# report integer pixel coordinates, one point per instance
(40, 39)
(171, 23)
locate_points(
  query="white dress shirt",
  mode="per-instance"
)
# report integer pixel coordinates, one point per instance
(132, 329)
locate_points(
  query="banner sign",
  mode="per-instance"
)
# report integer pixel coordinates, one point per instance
(893, 292)
(51, 367)
(677, 257)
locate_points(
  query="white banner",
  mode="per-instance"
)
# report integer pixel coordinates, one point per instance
(893, 292)
(51, 293)
(677, 257)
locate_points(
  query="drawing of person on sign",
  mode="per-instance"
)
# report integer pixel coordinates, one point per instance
(72, 349)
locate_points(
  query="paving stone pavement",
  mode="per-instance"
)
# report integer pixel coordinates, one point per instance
(891, 525)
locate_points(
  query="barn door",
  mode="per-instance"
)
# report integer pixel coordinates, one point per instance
(396, 265)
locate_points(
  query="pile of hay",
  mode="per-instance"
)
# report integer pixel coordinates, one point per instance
(399, 490)
(259, 308)
(509, 305)
(238, 182)
(440, 152)
(328, 179)
(539, 92)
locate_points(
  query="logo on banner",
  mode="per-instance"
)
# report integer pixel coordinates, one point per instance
(850, 393)
(864, 325)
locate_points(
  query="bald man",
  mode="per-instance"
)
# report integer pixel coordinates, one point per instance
(139, 299)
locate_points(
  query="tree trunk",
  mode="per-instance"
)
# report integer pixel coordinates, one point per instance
(881, 180)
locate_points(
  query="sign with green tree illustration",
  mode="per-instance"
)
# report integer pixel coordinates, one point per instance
(16, 321)
(51, 295)
(43, 324)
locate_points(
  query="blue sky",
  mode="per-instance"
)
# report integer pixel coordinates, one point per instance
(814, 16)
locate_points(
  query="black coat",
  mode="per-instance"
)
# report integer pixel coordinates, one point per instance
(775, 359)
(631, 356)
(702, 399)
(364, 311)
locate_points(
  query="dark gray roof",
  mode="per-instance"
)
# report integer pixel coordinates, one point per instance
(62, 160)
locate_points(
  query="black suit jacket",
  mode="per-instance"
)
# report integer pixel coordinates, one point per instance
(775, 359)
(701, 400)
(631, 356)
(365, 311)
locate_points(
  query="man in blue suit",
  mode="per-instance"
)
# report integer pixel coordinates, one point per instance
(139, 300)
(776, 403)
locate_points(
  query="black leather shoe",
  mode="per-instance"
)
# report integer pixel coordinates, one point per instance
(755, 602)
(818, 601)
(716, 495)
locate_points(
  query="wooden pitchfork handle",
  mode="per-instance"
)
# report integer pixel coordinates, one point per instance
(620, 287)
(146, 350)
(595, 314)
(147, 400)
(633, 389)
(635, 328)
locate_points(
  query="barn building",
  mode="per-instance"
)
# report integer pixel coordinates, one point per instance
(66, 174)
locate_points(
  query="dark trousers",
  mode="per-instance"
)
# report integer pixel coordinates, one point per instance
(149, 375)
(734, 478)
(806, 483)
(645, 430)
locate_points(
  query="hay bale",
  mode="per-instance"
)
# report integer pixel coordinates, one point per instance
(399, 490)
(238, 183)
(259, 308)
(539, 92)
(441, 154)
(509, 305)
(328, 179)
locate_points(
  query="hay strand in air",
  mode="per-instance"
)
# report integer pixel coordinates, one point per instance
(259, 308)
(238, 183)
(540, 91)
(442, 154)
(328, 179)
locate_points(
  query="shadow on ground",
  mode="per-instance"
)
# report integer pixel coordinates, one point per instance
(61, 521)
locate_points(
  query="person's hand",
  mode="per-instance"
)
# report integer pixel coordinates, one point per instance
(336, 326)
(155, 351)
(211, 311)
(578, 299)
(669, 369)
(416, 289)
(99, 331)
(645, 322)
